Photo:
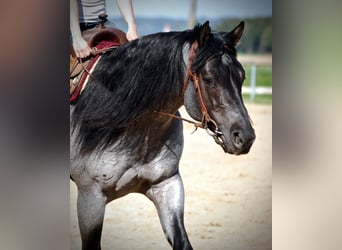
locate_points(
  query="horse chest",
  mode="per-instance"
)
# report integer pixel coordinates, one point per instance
(119, 174)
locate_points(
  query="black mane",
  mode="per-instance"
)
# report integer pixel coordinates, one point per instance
(130, 82)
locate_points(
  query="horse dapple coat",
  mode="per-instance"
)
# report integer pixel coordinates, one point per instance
(121, 139)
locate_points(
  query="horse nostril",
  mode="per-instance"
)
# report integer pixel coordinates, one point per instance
(237, 139)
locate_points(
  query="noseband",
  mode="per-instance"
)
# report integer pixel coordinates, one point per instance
(207, 122)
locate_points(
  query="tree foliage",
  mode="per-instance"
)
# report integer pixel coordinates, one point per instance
(257, 37)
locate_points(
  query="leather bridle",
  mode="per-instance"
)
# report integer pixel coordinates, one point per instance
(207, 122)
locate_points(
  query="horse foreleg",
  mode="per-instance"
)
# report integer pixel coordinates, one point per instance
(90, 211)
(168, 197)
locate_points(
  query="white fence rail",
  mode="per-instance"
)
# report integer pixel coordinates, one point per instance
(253, 90)
(257, 90)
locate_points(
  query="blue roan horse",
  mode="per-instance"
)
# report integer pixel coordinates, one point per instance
(124, 138)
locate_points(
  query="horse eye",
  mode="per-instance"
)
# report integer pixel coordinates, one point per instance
(208, 81)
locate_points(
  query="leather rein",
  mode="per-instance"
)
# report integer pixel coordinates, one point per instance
(207, 122)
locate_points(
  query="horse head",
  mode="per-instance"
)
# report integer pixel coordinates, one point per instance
(213, 93)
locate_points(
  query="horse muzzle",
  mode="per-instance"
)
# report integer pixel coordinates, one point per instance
(214, 132)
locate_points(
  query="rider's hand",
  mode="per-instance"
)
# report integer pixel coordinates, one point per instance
(81, 48)
(131, 33)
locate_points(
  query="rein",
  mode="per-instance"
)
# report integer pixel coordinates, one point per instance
(96, 53)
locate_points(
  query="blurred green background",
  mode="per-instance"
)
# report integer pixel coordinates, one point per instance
(255, 48)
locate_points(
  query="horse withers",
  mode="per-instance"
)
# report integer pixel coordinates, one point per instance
(124, 135)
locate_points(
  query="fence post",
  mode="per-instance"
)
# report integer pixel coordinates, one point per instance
(253, 82)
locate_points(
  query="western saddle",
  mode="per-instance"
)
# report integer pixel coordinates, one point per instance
(101, 39)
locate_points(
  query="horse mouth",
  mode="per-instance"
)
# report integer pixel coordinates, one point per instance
(218, 138)
(217, 135)
(237, 144)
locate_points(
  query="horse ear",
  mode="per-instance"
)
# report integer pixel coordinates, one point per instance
(204, 34)
(235, 35)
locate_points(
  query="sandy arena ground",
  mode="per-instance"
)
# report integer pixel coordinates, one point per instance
(227, 198)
